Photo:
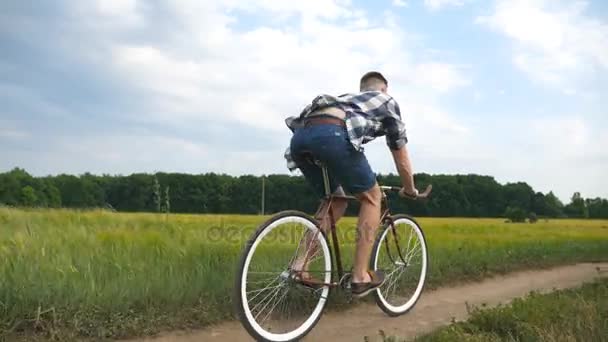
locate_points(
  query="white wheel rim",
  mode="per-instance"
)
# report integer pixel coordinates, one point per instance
(414, 298)
(322, 298)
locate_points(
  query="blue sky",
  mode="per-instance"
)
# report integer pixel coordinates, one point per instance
(513, 89)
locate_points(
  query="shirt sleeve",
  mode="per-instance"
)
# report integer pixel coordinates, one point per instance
(394, 127)
(293, 123)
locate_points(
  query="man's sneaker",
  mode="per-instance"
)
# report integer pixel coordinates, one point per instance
(363, 289)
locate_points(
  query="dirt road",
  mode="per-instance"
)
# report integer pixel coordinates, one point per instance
(435, 308)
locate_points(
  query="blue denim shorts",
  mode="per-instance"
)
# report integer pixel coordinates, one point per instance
(329, 144)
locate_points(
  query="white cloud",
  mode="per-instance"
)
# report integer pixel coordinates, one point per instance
(117, 7)
(399, 3)
(477, 96)
(436, 5)
(564, 134)
(328, 9)
(260, 75)
(441, 77)
(13, 134)
(565, 153)
(429, 120)
(195, 66)
(112, 15)
(117, 153)
(555, 43)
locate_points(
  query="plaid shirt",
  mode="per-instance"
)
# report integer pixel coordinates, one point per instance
(369, 115)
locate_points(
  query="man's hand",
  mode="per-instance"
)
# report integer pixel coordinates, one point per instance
(411, 194)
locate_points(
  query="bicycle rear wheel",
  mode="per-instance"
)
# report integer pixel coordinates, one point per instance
(271, 303)
(401, 252)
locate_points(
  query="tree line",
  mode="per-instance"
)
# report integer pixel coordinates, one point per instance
(453, 195)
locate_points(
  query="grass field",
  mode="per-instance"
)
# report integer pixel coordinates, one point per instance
(570, 315)
(100, 274)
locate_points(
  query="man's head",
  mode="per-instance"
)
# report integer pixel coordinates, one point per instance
(373, 81)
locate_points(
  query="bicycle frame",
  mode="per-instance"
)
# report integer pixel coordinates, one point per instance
(302, 277)
(325, 212)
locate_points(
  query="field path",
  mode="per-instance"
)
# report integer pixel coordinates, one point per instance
(435, 308)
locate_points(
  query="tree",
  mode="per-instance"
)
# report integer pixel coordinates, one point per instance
(156, 194)
(453, 195)
(515, 214)
(131, 193)
(10, 189)
(597, 208)
(518, 195)
(28, 196)
(52, 195)
(577, 207)
(167, 201)
(553, 206)
(532, 218)
(484, 195)
(80, 192)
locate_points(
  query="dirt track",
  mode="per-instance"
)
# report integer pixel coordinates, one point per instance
(435, 308)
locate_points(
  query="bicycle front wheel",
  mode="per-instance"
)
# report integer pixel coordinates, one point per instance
(271, 302)
(401, 252)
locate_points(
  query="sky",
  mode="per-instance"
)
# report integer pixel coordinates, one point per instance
(508, 88)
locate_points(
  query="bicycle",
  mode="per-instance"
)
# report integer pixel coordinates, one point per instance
(275, 303)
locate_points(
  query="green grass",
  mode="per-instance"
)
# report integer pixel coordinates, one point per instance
(100, 274)
(570, 315)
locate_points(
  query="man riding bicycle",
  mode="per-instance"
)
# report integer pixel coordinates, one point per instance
(333, 130)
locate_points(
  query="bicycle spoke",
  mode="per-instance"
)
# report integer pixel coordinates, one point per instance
(403, 280)
(314, 256)
(275, 290)
(392, 272)
(274, 306)
(263, 280)
(273, 302)
(416, 248)
(409, 239)
(297, 252)
(283, 307)
(271, 283)
(274, 294)
(261, 290)
(258, 272)
(413, 247)
(394, 280)
(415, 257)
(397, 282)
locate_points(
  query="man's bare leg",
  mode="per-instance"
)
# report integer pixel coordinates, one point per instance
(369, 220)
(308, 244)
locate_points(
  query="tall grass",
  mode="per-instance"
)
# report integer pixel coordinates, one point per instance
(100, 274)
(568, 315)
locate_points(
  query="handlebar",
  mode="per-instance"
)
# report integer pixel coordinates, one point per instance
(423, 195)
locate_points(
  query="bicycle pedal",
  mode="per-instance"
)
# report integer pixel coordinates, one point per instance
(345, 282)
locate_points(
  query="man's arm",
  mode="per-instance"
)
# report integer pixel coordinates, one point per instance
(404, 167)
(396, 139)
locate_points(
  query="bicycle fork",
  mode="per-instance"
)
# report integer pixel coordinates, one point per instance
(402, 262)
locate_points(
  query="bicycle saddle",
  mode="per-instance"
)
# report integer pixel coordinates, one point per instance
(310, 158)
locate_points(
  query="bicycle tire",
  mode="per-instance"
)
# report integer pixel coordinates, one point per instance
(239, 291)
(382, 302)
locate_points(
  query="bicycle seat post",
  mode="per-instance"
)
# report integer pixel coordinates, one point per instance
(334, 235)
(325, 179)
